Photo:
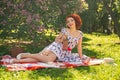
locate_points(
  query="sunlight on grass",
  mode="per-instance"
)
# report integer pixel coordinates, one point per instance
(104, 45)
(98, 45)
(102, 39)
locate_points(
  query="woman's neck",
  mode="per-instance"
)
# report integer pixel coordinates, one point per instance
(72, 30)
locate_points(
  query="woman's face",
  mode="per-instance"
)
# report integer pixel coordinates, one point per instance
(70, 22)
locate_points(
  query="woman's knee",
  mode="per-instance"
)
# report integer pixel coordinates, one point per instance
(46, 56)
(51, 56)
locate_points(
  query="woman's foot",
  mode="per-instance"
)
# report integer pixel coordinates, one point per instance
(21, 55)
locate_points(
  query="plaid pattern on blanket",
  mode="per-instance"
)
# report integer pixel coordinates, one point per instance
(39, 65)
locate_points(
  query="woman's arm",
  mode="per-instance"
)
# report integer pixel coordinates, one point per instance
(59, 38)
(84, 59)
(79, 47)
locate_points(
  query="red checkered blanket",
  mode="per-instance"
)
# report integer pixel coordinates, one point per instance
(39, 65)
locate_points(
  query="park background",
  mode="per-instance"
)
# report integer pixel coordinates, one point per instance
(33, 24)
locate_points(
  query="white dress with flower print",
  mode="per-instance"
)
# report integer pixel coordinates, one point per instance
(65, 55)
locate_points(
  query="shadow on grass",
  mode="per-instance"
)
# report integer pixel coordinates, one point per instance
(87, 52)
(85, 39)
(56, 74)
(90, 53)
(30, 47)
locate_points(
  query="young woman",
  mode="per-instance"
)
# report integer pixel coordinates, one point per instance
(61, 48)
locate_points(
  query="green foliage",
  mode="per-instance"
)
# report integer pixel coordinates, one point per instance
(4, 50)
(102, 16)
(26, 20)
(113, 8)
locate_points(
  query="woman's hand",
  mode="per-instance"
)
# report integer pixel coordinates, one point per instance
(59, 38)
(45, 52)
(65, 44)
(86, 60)
(62, 38)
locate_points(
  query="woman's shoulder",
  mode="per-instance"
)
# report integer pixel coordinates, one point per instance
(80, 32)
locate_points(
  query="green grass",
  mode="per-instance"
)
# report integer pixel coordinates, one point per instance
(97, 45)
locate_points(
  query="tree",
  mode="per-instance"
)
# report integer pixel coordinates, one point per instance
(114, 11)
(89, 17)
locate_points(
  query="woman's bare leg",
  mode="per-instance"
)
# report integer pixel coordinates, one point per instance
(47, 57)
(25, 60)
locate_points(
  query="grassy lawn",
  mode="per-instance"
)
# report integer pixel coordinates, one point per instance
(97, 45)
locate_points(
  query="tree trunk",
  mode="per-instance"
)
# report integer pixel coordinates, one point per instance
(114, 18)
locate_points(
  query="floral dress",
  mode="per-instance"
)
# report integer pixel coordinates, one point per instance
(65, 55)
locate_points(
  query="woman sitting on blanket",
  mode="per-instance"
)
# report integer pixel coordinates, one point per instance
(60, 49)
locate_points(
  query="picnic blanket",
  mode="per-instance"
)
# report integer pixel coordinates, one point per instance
(40, 65)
